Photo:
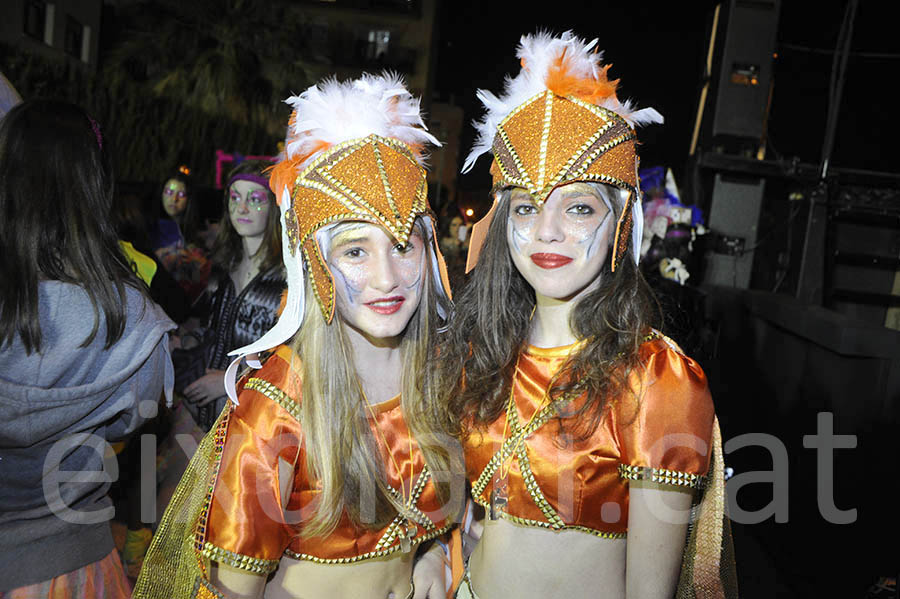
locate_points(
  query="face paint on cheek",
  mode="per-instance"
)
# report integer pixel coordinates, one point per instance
(356, 274)
(597, 238)
(517, 235)
(410, 272)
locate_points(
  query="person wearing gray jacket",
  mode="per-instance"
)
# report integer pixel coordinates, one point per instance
(84, 355)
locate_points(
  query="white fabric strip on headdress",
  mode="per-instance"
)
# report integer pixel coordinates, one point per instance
(637, 227)
(436, 269)
(291, 317)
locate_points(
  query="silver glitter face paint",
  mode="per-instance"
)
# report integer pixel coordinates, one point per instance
(560, 248)
(377, 281)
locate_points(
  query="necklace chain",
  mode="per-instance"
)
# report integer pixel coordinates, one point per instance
(407, 499)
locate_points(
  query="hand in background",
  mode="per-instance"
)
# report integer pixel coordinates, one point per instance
(207, 388)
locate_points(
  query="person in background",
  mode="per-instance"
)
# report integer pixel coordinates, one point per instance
(177, 225)
(131, 228)
(174, 235)
(454, 244)
(588, 434)
(84, 355)
(242, 300)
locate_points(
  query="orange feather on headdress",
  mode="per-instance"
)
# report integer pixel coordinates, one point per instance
(563, 81)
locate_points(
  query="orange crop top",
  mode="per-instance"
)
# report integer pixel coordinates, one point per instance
(244, 523)
(663, 434)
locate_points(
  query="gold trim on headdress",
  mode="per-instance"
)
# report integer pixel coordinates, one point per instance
(374, 179)
(560, 122)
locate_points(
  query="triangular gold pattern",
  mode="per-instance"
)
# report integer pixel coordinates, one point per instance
(373, 179)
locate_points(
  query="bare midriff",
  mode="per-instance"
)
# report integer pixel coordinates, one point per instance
(530, 562)
(381, 578)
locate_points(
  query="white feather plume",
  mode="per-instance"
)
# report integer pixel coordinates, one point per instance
(337, 111)
(539, 53)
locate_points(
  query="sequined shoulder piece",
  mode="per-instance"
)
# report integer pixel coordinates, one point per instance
(278, 380)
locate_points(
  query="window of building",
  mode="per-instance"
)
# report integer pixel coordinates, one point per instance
(377, 47)
(74, 37)
(35, 19)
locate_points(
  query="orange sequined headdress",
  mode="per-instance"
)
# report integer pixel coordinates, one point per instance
(354, 151)
(559, 121)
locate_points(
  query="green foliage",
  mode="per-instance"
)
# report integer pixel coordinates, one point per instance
(178, 80)
(150, 135)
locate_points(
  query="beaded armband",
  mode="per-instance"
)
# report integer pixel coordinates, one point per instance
(662, 476)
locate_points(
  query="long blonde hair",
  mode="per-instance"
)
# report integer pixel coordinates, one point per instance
(341, 452)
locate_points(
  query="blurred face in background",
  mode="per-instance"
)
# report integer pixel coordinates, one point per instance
(248, 208)
(455, 223)
(174, 197)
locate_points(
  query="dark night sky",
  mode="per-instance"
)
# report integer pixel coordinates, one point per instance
(657, 50)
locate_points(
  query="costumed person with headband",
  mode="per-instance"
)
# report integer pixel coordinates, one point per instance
(175, 236)
(588, 435)
(241, 302)
(326, 474)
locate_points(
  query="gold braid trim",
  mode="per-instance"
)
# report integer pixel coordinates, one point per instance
(662, 476)
(540, 524)
(203, 589)
(275, 394)
(239, 561)
(371, 554)
(413, 512)
(552, 516)
(173, 565)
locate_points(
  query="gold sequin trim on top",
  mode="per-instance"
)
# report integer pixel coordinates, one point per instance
(236, 560)
(221, 431)
(554, 521)
(519, 433)
(371, 554)
(413, 512)
(203, 589)
(540, 524)
(275, 394)
(662, 476)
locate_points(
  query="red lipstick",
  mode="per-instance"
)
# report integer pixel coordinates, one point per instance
(550, 261)
(386, 305)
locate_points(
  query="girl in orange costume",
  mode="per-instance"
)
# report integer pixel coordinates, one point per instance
(325, 475)
(587, 433)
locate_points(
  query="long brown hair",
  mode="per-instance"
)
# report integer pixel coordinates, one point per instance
(56, 189)
(490, 329)
(341, 451)
(228, 249)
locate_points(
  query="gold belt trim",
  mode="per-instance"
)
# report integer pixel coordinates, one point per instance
(371, 554)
